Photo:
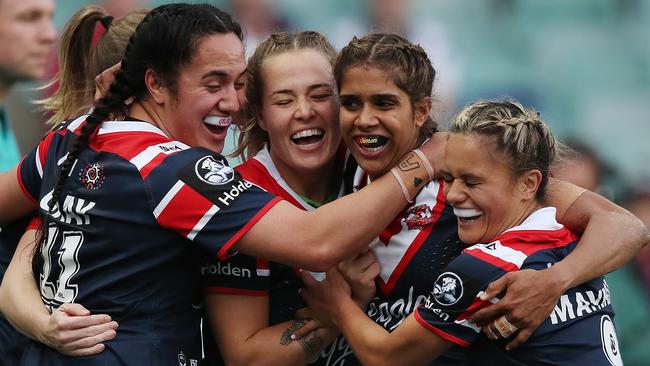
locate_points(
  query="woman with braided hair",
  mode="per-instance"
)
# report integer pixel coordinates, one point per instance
(385, 85)
(124, 191)
(495, 174)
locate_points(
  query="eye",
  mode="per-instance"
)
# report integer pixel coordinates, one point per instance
(385, 103)
(350, 104)
(282, 102)
(471, 184)
(321, 97)
(239, 84)
(213, 88)
(447, 178)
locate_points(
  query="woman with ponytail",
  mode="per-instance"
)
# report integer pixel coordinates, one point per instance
(91, 42)
(130, 193)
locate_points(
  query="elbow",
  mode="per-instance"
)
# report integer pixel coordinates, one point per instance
(323, 257)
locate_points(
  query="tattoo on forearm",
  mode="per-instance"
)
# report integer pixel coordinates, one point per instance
(311, 344)
(409, 162)
(285, 338)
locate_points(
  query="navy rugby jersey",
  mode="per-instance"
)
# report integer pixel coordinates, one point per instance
(580, 331)
(412, 251)
(247, 275)
(137, 207)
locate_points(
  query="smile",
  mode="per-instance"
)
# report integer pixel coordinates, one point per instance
(467, 214)
(307, 137)
(217, 124)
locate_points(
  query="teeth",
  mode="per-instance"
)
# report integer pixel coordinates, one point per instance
(467, 212)
(219, 121)
(307, 133)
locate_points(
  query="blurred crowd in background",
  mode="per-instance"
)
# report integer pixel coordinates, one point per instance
(585, 64)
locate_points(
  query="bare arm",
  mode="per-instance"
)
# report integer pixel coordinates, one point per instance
(240, 324)
(70, 329)
(13, 202)
(611, 235)
(409, 344)
(318, 234)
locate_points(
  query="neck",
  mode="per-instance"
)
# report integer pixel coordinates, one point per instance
(315, 184)
(146, 112)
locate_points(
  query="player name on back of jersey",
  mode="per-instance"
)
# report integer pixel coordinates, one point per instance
(74, 210)
(579, 303)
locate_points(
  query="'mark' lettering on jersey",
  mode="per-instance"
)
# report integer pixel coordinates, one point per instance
(225, 269)
(571, 306)
(75, 210)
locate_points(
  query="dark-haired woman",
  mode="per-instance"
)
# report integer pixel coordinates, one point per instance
(126, 203)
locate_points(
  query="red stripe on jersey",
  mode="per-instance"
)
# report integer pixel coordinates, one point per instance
(262, 264)
(144, 172)
(495, 261)
(255, 172)
(532, 241)
(34, 223)
(184, 210)
(44, 147)
(22, 184)
(223, 252)
(387, 287)
(477, 305)
(234, 291)
(439, 332)
(127, 144)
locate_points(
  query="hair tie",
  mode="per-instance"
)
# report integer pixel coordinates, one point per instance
(100, 29)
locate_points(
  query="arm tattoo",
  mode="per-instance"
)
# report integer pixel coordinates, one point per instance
(285, 338)
(409, 162)
(311, 344)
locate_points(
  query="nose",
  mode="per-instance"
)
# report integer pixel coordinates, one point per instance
(454, 192)
(304, 110)
(48, 33)
(229, 104)
(366, 119)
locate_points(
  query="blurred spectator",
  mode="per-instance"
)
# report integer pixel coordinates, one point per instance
(259, 18)
(581, 167)
(399, 16)
(26, 35)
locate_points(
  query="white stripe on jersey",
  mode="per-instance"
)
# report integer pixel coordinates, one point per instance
(128, 126)
(62, 159)
(542, 219)
(467, 324)
(150, 153)
(39, 167)
(506, 254)
(77, 122)
(204, 220)
(168, 197)
(263, 272)
(264, 157)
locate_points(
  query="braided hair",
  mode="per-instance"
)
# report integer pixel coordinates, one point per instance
(407, 64)
(519, 132)
(164, 41)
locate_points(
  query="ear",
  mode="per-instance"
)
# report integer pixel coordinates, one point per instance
(157, 90)
(528, 184)
(260, 120)
(422, 111)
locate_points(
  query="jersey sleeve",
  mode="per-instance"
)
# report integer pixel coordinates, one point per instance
(196, 194)
(455, 296)
(239, 274)
(30, 169)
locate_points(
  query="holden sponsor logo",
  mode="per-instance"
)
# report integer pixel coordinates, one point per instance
(213, 171)
(448, 289)
(228, 197)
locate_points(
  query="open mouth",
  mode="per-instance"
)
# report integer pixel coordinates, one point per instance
(371, 143)
(217, 124)
(307, 137)
(467, 214)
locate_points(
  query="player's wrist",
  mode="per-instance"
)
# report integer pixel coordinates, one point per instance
(562, 277)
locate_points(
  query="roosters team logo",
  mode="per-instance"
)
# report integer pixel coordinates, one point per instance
(417, 217)
(212, 171)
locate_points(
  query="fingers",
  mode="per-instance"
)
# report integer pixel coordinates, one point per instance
(66, 322)
(307, 279)
(522, 337)
(73, 309)
(500, 328)
(88, 344)
(309, 326)
(495, 288)
(83, 351)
